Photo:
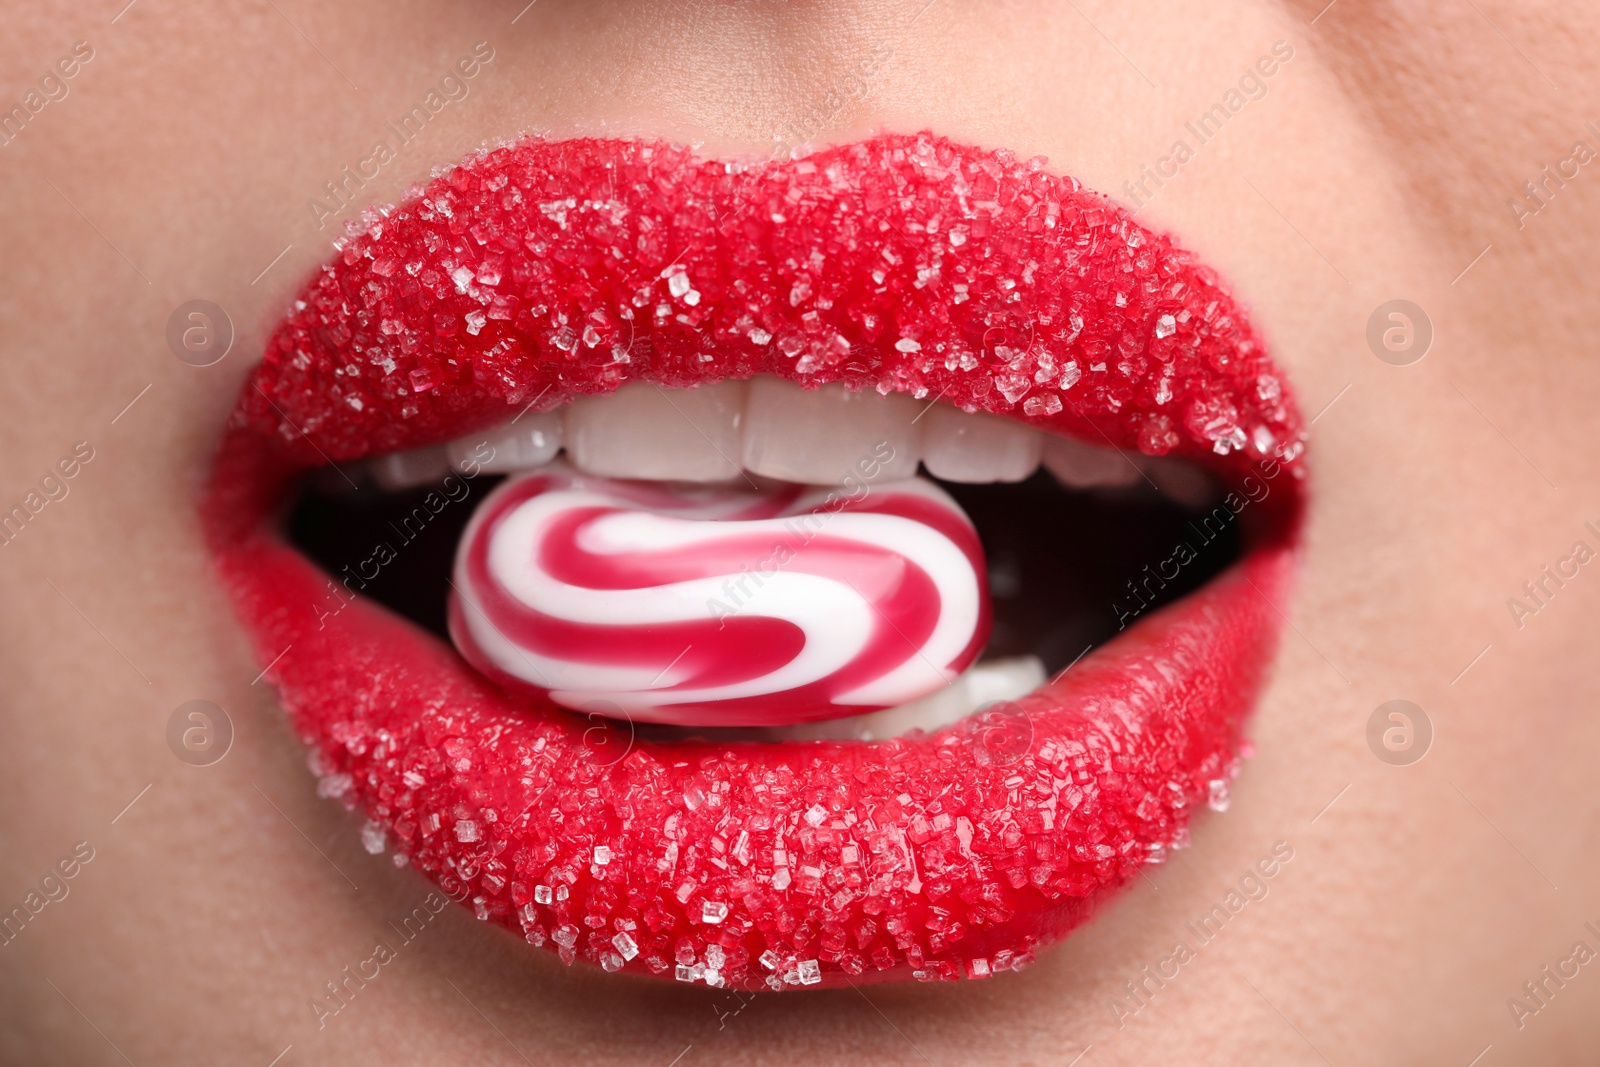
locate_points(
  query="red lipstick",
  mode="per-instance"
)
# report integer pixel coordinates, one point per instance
(545, 270)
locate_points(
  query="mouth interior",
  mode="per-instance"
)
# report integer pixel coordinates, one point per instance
(1069, 565)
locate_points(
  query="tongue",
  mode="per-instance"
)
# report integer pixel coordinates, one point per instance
(722, 606)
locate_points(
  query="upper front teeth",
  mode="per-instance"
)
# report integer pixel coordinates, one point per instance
(645, 431)
(767, 426)
(818, 436)
(526, 442)
(978, 448)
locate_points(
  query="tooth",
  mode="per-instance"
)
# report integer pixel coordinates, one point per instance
(821, 436)
(984, 683)
(529, 441)
(643, 431)
(1082, 465)
(977, 448)
(1003, 679)
(1183, 482)
(403, 470)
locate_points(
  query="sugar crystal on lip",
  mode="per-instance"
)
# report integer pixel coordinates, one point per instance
(1005, 269)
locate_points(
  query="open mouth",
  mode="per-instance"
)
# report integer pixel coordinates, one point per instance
(857, 566)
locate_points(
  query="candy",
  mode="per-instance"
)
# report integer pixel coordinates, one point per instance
(719, 606)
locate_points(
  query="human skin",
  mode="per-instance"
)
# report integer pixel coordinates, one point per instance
(1378, 166)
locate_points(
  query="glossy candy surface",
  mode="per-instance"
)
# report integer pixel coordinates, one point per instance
(727, 606)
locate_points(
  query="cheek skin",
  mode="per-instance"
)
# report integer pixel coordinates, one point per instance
(1388, 145)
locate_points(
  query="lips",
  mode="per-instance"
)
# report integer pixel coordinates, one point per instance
(543, 271)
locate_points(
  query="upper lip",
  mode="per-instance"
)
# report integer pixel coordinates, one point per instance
(535, 272)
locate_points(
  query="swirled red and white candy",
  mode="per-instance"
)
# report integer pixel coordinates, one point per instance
(715, 606)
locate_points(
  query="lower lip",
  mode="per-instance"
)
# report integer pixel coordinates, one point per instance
(944, 856)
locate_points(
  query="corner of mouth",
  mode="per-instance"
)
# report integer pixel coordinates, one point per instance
(543, 272)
